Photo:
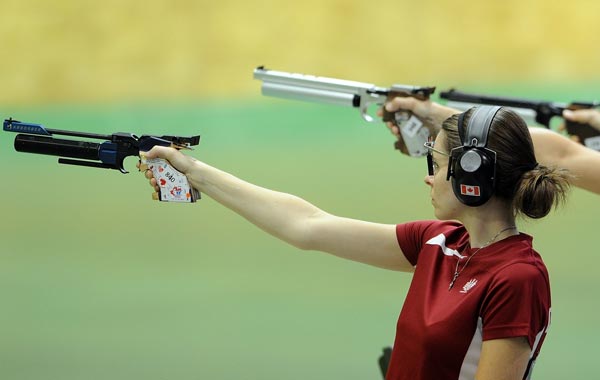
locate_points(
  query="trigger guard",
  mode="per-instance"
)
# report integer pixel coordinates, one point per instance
(365, 115)
(121, 167)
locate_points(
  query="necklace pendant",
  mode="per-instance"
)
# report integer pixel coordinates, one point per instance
(454, 277)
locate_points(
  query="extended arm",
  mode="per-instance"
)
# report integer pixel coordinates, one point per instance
(290, 218)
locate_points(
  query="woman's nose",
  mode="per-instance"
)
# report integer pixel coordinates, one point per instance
(428, 180)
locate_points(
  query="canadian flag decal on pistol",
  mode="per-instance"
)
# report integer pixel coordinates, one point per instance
(469, 190)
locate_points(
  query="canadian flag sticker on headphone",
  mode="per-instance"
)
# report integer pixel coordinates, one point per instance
(469, 190)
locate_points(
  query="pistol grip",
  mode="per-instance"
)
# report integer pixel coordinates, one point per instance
(413, 133)
(395, 117)
(585, 133)
(174, 185)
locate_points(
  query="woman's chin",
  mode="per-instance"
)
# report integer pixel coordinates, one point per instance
(440, 214)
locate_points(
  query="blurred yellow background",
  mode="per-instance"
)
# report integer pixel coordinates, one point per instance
(90, 51)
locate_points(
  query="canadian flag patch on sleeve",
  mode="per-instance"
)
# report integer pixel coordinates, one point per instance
(469, 190)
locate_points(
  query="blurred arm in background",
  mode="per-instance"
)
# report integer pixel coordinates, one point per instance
(551, 148)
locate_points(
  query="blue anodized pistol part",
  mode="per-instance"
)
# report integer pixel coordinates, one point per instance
(11, 125)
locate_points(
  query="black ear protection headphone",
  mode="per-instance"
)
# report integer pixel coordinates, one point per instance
(472, 166)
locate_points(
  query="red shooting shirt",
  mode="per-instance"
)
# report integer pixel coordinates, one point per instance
(503, 292)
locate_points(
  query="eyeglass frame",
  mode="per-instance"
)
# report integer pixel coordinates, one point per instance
(429, 146)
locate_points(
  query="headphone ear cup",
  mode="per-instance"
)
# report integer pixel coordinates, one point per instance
(473, 176)
(473, 165)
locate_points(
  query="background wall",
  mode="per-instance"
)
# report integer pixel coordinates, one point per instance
(99, 282)
(74, 51)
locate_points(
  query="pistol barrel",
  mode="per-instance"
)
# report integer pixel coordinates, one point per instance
(311, 88)
(295, 92)
(57, 147)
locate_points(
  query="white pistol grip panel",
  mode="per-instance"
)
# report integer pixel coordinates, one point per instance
(174, 185)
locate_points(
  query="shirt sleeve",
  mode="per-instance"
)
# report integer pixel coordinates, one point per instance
(517, 304)
(411, 237)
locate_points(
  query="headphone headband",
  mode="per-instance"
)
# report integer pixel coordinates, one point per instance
(478, 128)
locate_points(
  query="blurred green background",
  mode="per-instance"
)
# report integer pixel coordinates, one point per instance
(99, 282)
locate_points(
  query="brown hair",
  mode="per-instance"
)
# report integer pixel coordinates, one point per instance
(533, 189)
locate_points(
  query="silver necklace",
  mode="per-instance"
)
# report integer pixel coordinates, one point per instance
(458, 272)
